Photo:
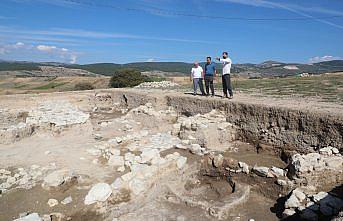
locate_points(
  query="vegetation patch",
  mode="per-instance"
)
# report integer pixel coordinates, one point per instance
(51, 85)
(84, 86)
(127, 78)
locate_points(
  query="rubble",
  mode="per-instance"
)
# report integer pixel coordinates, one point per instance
(59, 179)
(67, 200)
(310, 168)
(160, 84)
(98, 193)
(30, 217)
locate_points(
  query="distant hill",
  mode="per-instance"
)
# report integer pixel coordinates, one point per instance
(18, 66)
(109, 68)
(265, 69)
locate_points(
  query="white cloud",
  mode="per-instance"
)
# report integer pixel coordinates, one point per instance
(323, 58)
(150, 60)
(46, 48)
(62, 54)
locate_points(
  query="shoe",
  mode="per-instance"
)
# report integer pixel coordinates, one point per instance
(224, 96)
(231, 97)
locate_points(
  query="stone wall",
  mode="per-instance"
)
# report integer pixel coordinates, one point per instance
(298, 130)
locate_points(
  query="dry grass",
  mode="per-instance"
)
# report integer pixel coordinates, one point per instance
(16, 85)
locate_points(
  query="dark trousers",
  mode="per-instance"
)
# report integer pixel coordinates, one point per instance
(209, 84)
(227, 84)
(198, 82)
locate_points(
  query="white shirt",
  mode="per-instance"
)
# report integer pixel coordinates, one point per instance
(226, 65)
(197, 72)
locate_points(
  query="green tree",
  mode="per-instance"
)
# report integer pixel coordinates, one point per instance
(127, 78)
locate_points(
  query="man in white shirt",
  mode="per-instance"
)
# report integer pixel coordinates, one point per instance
(197, 74)
(226, 79)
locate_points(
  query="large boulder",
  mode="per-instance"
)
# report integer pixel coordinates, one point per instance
(59, 179)
(30, 217)
(98, 193)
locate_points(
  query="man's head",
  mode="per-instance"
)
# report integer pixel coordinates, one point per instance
(225, 54)
(208, 60)
(196, 64)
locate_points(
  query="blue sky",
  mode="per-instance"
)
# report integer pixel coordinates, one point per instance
(89, 31)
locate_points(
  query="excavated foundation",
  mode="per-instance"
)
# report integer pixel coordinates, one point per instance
(167, 156)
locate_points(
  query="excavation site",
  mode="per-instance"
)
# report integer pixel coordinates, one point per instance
(135, 154)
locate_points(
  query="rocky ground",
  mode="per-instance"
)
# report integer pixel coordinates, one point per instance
(92, 157)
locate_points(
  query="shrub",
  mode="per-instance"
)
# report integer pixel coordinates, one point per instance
(127, 78)
(84, 86)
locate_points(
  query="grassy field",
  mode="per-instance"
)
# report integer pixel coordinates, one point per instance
(328, 87)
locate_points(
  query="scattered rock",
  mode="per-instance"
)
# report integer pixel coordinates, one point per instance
(98, 193)
(218, 160)
(326, 151)
(277, 172)
(335, 150)
(288, 212)
(52, 202)
(299, 194)
(59, 179)
(261, 171)
(181, 162)
(30, 217)
(137, 186)
(292, 202)
(244, 167)
(117, 161)
(67, 200)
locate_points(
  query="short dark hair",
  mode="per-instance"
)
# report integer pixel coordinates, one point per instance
(225, 53)
(209, 58)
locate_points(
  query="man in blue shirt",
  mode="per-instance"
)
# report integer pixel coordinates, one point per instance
(210, 73)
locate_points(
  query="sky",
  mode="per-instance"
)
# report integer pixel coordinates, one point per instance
(252, 31)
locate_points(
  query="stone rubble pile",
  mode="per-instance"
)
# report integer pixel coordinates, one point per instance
(46, 217)
(314, 172)
(209, 130)
(57, 113)
(309, 169)
(22, 178)
(59, 179)
(161, 84)
(60, 114)
(142, 176)
(312, 206)
(149, 110)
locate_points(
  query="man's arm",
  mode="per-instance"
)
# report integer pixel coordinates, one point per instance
(227, 60)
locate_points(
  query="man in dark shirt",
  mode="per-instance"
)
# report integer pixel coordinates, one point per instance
(210, 73)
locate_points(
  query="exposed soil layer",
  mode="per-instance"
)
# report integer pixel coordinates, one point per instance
(267, 135)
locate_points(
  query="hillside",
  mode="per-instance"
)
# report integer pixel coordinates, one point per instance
(265, 69)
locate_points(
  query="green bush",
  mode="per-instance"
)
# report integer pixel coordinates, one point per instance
(84, 86)
(127, 78)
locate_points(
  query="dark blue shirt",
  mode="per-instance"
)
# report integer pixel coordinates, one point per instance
(210, 69)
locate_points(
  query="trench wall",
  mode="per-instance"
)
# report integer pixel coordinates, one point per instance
(303, 131)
